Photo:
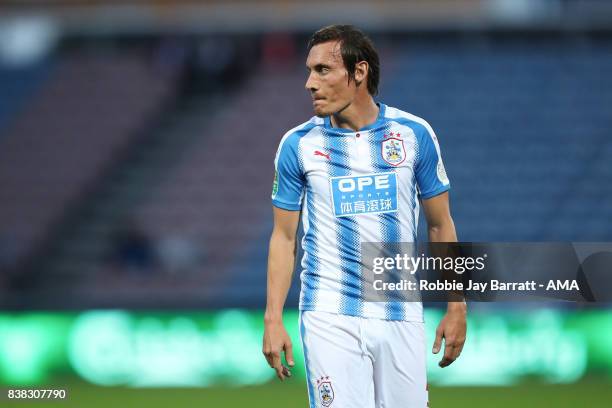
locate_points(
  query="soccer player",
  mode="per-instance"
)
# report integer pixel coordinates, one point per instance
(356, 172)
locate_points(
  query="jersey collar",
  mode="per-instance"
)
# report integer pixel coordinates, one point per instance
(379, 120)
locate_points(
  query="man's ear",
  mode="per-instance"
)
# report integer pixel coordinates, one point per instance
(361, 72)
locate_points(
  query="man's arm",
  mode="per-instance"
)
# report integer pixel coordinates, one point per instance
(281, 259)
(453, 326)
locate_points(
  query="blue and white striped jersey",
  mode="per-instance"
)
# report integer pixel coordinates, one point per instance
(355, 187)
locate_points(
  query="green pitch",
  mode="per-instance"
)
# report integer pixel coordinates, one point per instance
(293, 394)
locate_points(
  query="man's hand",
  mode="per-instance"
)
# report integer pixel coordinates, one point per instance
(275, 341)
(452, 328)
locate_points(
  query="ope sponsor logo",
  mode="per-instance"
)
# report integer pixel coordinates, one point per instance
(380, 181)
(364, 194)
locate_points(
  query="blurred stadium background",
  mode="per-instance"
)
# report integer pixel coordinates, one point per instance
(136, 159)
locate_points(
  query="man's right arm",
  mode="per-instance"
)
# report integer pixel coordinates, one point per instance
(281, 260)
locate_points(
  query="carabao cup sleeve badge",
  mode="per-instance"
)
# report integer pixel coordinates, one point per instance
(275, 185)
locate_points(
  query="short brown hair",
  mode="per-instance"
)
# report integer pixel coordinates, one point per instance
(355, 46)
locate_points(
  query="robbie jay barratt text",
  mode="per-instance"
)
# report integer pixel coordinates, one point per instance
(494, 285)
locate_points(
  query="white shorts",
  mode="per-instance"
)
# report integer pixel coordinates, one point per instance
(355, 362)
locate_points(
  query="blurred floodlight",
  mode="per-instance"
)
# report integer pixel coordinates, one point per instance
(26, 40)
(522, 11)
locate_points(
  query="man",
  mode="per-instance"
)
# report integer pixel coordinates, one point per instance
(357, 353)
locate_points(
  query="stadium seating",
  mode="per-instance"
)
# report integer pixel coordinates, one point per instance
(17, 87)
(524, 131)
(86, 112)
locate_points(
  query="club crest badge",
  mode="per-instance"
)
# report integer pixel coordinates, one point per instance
(326, 392)
(393, 151)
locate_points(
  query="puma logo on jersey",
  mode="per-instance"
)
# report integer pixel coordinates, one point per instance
(320, 153)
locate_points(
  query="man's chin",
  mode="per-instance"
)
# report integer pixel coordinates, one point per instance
(327, 110)
(321, 113)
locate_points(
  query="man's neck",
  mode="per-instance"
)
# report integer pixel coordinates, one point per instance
(357, 115)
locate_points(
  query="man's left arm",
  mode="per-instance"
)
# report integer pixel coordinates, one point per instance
(453, 326)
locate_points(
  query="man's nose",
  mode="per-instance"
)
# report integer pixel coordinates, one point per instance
(311, 83)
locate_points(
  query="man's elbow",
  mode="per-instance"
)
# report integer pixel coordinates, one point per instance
(282, 238)
(436, 232)
(443, 228)
(440, 223)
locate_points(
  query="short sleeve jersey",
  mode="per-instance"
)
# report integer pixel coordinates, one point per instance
(354, 187)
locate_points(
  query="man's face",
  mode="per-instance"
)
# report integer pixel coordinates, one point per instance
(328, 79)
